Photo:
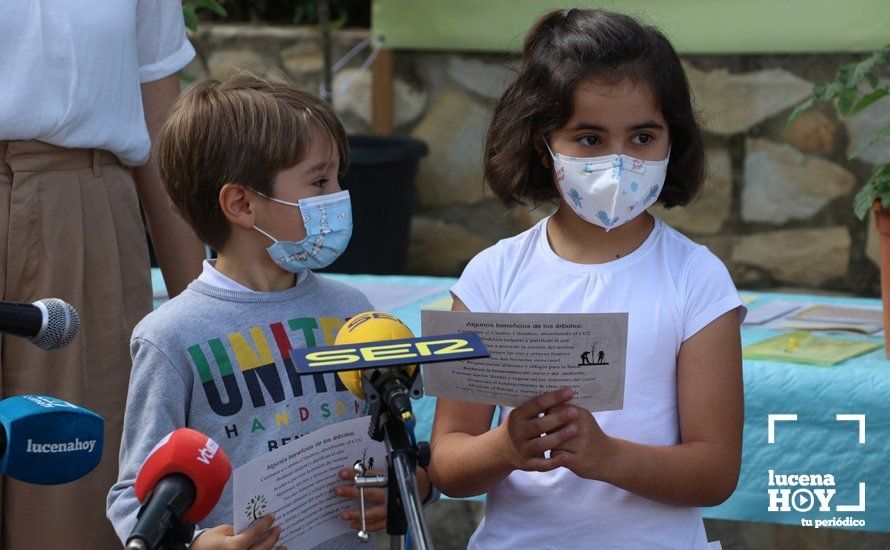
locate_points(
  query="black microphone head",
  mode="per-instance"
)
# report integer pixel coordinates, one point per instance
(60, 324)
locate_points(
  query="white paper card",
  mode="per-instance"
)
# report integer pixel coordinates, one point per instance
(296, 483)
(771, 310)
(532, 354)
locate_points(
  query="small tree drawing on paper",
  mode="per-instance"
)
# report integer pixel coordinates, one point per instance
(256, 508)
(362, 460)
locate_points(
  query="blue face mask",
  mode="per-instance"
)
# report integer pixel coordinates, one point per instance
(328, 222)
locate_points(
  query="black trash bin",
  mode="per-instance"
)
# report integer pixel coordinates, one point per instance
(380, 181)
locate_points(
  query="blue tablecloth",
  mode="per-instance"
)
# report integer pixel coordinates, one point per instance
(817, 443)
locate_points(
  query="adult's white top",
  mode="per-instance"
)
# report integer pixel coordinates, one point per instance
(71, 70)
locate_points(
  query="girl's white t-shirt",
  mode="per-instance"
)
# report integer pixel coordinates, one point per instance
(72, 70)
(671, 288)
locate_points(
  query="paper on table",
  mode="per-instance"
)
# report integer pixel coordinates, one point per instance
(827, 317)
(445, 302)
(827, 326)
(532, 354)
(803, 347)
(296, 483)
(769, 311)
(824, 312)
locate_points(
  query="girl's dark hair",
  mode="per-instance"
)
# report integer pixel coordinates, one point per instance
(562, 49)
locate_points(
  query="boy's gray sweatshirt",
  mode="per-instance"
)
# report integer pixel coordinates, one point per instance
(217, 361)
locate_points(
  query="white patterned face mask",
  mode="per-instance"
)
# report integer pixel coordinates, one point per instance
(609, 191)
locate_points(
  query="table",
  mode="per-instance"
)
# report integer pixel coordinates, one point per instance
(816, 443)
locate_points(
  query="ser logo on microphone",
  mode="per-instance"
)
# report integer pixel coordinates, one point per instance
(406, 351)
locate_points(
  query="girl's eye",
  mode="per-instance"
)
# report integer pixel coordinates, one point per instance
(588, 141)
(643, 139)
(320, 183)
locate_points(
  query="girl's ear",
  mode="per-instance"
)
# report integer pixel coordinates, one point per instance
(541, 150)
(237, 205)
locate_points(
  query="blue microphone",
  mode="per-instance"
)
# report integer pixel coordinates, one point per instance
(48, 441)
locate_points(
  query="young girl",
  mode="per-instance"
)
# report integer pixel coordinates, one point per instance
(599, 118)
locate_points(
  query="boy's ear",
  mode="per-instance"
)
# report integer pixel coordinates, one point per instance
(237, 205)
(541, 150)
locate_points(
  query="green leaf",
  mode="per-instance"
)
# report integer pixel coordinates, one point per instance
(845, 74)
(845, 101)
(876, 137)
(877, 187)
(881, 177)
(862, 202)
(824, 91)
(798, 110)
(872, 80)
(190, 16)
(852, 74)
(868, 99)
(212, 5)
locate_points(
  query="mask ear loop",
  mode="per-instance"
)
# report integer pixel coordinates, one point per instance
(549, 150)
(273, 199)
(270, 237)
(274, 240)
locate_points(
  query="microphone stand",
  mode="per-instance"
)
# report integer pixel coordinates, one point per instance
(388, 424)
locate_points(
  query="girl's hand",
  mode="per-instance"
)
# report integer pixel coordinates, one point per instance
(586, 454)
(259, 536)
(523, 431)
(375, 503)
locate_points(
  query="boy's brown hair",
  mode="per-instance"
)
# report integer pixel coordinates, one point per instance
(245, 130)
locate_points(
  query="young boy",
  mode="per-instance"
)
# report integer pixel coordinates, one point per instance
(236, 158)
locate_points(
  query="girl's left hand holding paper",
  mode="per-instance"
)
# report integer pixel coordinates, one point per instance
(588, 452)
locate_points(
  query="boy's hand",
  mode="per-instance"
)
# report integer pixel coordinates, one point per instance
(524, 445)
(375, 503)
(585, 454)
(259, 536)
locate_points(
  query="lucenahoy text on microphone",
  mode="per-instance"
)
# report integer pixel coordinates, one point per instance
(64, 447)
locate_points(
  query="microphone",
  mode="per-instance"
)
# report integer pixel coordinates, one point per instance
(391, 383)
(371, 344)
(50, 323)
(375, 355)
(178, 485)
(48, 441)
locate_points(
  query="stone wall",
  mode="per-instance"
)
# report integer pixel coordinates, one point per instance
(777, 205)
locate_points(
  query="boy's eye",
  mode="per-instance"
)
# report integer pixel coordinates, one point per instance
(320, 183)
(643, 139)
